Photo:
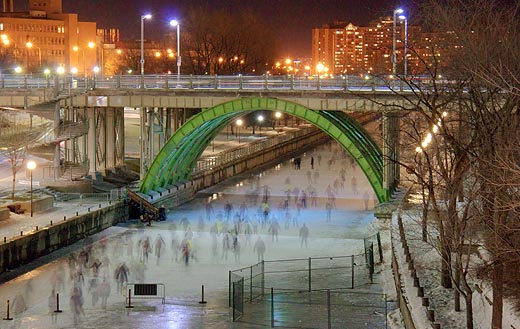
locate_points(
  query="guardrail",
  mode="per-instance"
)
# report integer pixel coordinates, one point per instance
(71, 84)
(211, 162)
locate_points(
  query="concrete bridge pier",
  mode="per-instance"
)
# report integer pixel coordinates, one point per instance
(157, 126)
(105, 139)
(390, 149)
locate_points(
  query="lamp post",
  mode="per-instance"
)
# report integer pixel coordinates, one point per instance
(29, 46)
(403, 17)
(239, 123)
(143, 17)
(176, 24)
(394, 54)
(260, 119)
(31, 165)
(278, 115)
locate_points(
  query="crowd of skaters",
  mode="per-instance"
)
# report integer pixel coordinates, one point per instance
(91, 275)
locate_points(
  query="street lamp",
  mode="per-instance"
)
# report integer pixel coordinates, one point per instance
(239, 123)
(143, 17)
(403, 17)
(29, 46)
(278, 115)
(176, 24)
(260, 119)
(394, 61)
(31, 165)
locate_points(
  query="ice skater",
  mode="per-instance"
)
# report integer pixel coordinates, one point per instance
(157, 246)
(304, 235)
(121, 275)
(259, 248)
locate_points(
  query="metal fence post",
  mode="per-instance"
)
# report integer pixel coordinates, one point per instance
(329, 320)
(251, 285)
(263, 279)
(386, 313)
(233, 305)
(378, 236)
(272, 307)
(310, 278)
(353, 264)
(229, 287)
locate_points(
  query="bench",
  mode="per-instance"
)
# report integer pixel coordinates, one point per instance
(145, 291)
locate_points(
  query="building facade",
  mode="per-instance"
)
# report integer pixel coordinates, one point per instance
(344, 48)
(46, 38)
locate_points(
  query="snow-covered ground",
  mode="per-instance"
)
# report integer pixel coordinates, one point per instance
(427, 263)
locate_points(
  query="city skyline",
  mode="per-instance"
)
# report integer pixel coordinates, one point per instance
(291, 20)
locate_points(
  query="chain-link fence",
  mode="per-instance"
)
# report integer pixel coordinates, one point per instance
(298, 277)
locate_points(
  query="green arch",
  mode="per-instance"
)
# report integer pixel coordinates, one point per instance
(179, 155)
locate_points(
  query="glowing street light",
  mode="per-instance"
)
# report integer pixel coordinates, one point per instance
(260, 120)
(278, 115)
(31, 165)
(175, 23)
(319, 68)
(394, 54)
(239, 124)
(143, 17)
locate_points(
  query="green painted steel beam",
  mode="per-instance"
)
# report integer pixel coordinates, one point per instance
(176, 160)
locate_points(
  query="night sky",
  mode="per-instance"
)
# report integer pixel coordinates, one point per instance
(293, 19)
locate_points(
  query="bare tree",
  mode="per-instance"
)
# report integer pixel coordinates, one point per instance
(217, 42)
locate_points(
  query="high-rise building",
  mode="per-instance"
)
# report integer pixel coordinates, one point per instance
(344, 48)
(45, 37)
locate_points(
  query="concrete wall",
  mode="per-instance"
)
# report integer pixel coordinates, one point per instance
(38, 204)
(25, 249)
(4, 213)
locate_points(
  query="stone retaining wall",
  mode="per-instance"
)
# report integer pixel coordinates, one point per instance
(24, 249)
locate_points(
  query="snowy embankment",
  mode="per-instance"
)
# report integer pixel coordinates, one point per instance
(425, 260)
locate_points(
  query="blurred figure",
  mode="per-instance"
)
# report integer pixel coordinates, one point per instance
(96, 265)
(103, 291)
(259, 248)
(157, 246)
(51, 302)
(209, 210)
(236, 249)
(18, 306)
(328, 208)
(121, 275)
(273, 229)
(76, 304)
(175, 247)
(366, 199)
(304, 234)
(228, 209)
(144, 244)
(226, 244)
(186, 250)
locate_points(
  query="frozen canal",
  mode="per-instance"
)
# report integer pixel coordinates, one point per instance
(338, 214)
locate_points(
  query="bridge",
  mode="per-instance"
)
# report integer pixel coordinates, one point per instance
(180, 116)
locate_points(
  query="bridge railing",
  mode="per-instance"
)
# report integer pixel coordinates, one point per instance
(73, 84)
(208, 163)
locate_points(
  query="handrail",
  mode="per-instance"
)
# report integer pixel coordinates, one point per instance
(140, 200)
(70, 84)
